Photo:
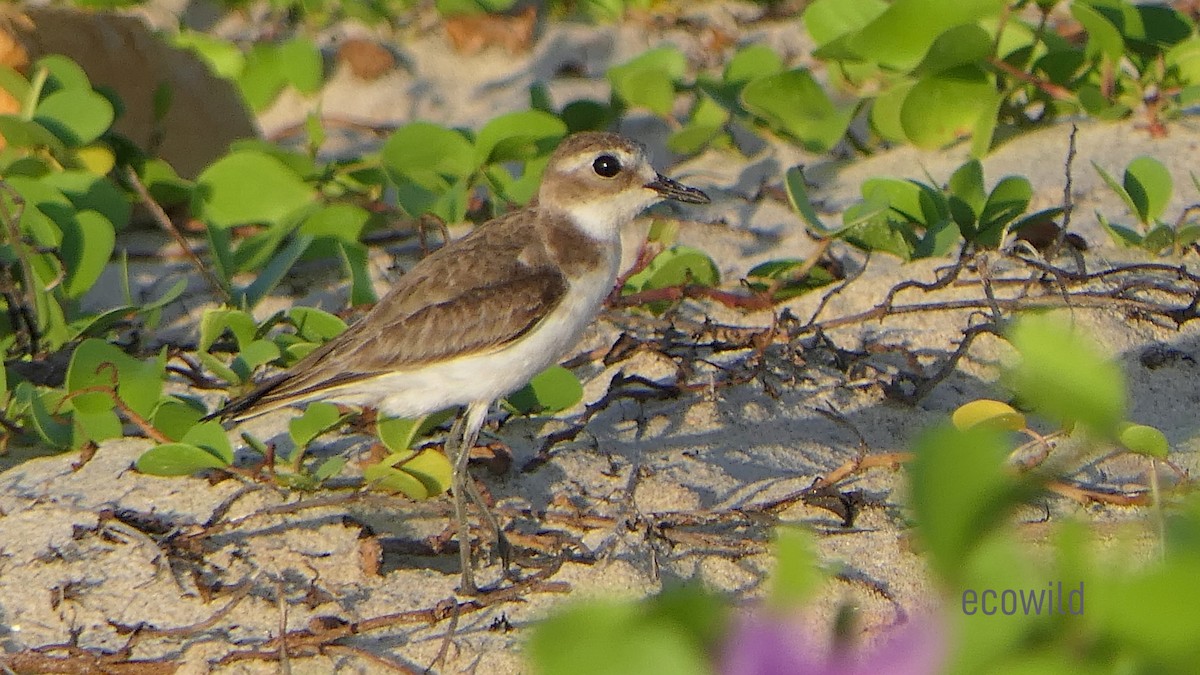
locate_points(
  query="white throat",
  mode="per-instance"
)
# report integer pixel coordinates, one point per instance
(603, 218)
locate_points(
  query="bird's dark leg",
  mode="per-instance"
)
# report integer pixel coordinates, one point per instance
(466, 432)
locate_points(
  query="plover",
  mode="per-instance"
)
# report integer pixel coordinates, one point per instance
(478, 318)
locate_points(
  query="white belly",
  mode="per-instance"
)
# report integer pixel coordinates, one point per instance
(491, 375)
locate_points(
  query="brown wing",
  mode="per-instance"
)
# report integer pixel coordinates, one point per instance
(431, 314)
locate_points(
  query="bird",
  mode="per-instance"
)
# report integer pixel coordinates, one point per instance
(476, 319)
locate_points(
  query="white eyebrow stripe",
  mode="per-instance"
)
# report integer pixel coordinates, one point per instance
(585, 159)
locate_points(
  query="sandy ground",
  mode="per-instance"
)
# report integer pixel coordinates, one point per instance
(83, 547)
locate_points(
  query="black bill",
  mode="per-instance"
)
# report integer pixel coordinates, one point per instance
(677, 191)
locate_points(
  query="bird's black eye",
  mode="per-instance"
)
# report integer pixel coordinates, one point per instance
(607, 166)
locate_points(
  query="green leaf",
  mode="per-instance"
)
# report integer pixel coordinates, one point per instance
(429, 466)
(794, 104)
(796, 576)
(752, 62)
(88, 241)
(797, 194)
(586, 115)
(138, 383)
(177, 459)
(329, 468)
(1119, 233)
(174, 416)
(21, 133)
(1064, 375)
(223, 57)
(300, 64)
(551, 390)
(959, 46)
(315, 325)
(944, 107)
(1103, 38)
(76, 116)
(518, 136)
(317, 419)
(1148, 184)
(901, 35)
(1144, 440)
(383, 477)
(249, 187)
(262, 76)
(256, 353)
(1116, 187)
(52, 431)
(649, 79)
(674, 266)
(1008, 200)
(398, 433)
(211, 437)
(583, 640)
(993, 414)
(885, 111)
(881, 233)
(88, 191)
(966, 183)
(216, 320)
(707, 121)
(761, 277)
(827, 20)
(1159, 238)
(961, 491)
(275, 269)
(343, 222)
(64, 74)
(354, 261)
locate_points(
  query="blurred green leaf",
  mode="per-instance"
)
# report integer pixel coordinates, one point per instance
(551, 390)
(216, 320)
(1144, 440)
(1148, 184)
(76, 116)
(247, 188)
(761, 277)
(796, 576)
(344, 222)
(649, 79)
(518, 136)
(1063, 375)
(317, 419)
(901, 35)
(431, 467)
(51, 429)
(383, 477)
(315, 325)
(300, 64)
(794, 103)
(828, 20)
(398, 433)
(944, 107)
(797, 193)
(88, 241)
(961, 491)
(583, 639)
(752, 62)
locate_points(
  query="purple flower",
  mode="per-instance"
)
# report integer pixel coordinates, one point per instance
(762, 643)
